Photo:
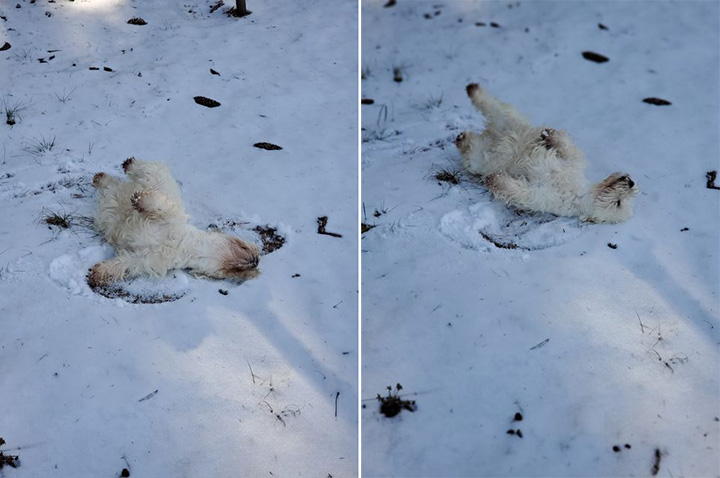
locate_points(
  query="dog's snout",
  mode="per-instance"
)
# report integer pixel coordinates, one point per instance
(631, 183)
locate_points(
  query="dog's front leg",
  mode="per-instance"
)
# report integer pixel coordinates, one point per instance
(154, 205)
(514, 191)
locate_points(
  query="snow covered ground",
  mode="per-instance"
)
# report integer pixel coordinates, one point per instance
(257, 380)
(595, 347)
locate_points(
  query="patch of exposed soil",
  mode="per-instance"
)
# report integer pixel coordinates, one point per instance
(271, 240)
(268, 236)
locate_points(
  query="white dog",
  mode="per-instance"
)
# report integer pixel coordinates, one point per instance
(144, 219)
(538, 169)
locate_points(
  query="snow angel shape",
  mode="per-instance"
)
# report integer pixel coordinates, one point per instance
(538, 169)
(144, 219)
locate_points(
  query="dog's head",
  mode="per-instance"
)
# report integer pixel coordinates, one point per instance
(239, 260)
(612, 199)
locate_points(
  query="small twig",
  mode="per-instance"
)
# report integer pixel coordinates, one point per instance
(335, 306)
(148, 397)
(277, 415)
(217, 5)
(496, 243)
(541, 344)
(252, 374)
(336, 400)
(322, 222)
(642, 327)
(656, 465)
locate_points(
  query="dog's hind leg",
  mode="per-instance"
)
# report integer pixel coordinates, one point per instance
(500, 116)
(124, 266)
(518, 192)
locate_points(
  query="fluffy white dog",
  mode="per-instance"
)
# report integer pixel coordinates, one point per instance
(538, 169)
(144, 219)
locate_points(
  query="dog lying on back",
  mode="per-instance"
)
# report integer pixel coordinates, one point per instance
(145, 221)
(538, 168)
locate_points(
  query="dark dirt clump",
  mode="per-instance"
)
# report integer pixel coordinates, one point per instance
(596, 57)
(392, 404)
(711, 177)
(656, 101)
(137, 21)
(208, 102)
(364, 227)
(13, 461)
(267, 146)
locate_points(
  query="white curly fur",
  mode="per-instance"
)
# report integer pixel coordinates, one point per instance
(145, 220)
(538, 168)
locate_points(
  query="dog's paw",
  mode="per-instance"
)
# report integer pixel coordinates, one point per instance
(497, 183)
(472, 89)
(464, 140)
(98, 277)
(97, 179)
(137, 201)
(491, 181)
(127, 163)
